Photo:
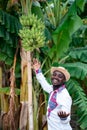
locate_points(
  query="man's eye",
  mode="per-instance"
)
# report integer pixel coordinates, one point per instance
(54, 74)
(60, 75)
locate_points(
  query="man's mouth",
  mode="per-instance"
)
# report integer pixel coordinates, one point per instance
(54, 81)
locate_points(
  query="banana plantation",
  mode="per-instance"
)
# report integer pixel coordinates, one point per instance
(54, 32)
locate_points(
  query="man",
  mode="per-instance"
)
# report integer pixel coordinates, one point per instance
(59, 104)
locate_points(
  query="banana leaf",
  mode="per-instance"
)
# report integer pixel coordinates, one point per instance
(79, 54)
(77, 70)
(80, 100)
(9, 28)
(10, 22)
(80, 4)
(6, 90)
(62, 36)
(36, 9)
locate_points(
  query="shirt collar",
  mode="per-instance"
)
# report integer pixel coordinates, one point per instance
(60, 88)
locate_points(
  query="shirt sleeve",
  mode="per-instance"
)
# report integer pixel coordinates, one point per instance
(43, 82)
(66, 103)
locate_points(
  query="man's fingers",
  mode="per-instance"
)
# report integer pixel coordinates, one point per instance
(68, 114)
(63, 114)
(35, 60)
(35, 64)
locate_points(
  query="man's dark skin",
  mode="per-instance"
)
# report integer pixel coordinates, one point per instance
(57, 79)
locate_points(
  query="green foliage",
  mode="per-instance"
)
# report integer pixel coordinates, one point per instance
(80, 100)
(11, 24)
(63, 34)
(3, 4)
(65, 25)
(79, 54)
(77, 69)
(53, 12)
(36, 10)
(9, 28)
(6, 90)
(80, 4)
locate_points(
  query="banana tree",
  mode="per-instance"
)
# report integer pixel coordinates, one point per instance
(32, 35)
(6, 23)
(9, 26)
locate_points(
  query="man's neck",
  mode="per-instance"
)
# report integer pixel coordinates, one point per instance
(55, 87)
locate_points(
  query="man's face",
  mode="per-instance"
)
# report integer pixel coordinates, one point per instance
(57, 78)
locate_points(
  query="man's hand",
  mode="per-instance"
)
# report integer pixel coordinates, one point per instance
(63, 114)
(36, 64)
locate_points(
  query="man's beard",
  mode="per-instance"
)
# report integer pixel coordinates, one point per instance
(55, 87)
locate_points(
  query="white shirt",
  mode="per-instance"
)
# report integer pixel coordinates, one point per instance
(64, 104)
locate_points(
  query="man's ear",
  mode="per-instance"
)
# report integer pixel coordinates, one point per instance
(64, 79)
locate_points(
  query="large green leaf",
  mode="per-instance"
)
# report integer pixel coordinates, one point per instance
(62, 36)
(77, 70)
(80, 100)
(6, 53)
(2, 56)
(10, 22)
(9, 28)
(79, 54)
(36, 9)
(80, 4)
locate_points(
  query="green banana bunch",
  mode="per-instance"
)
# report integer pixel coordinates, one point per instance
(32, 32)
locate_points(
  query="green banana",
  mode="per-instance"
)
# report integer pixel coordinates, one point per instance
(32, 32)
